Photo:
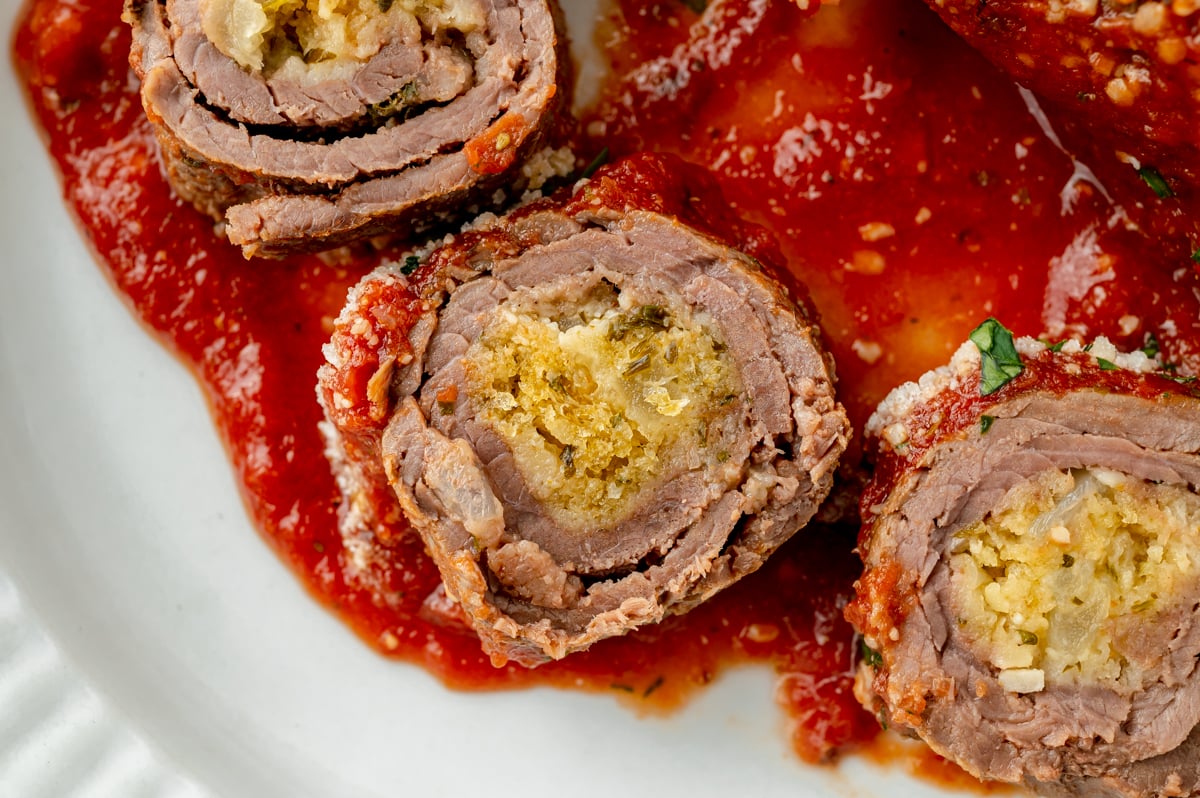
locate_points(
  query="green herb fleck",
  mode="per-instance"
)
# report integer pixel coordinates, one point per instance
(654, 685)
(697, 6)
(624, 688)
(1151, 347)
(600, 159)
(1027, 638)
(1158, 184)
(1106, 365)
(556, 382)
(567, 456)
(643, 347)
(646, 317)
(410, 264)
(1057, 347)
(1196, 256)
(883, 724)
(318, 547)
(1068, 561)
(395, 105)
(722, 456)
(617, 419)
(999, 362)
(985, 423)
(652, 316)
(637, 365)
(446, 408)
(869, 655)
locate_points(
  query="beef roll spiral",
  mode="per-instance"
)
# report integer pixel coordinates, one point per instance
(1031, 600)
(593, 414)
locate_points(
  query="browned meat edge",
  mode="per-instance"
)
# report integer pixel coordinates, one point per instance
(304, 168)
(1061, 741)
(533, 590)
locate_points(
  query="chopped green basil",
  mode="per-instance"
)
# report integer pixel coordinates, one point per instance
(1068, 561)
(600, 159)
(1151, 348)
(999, 361)
(1027, 638)
(1158, 184)
(1106, 365)
(1058, 346)
(410, 264)
(985, 423)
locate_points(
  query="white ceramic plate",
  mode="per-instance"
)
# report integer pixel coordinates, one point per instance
(123, 532)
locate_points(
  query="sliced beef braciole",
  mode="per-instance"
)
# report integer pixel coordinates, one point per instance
(306, 124)
(1031, 599)
(593, 414)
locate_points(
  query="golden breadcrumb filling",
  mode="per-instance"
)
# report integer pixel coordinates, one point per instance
(593, 405)
(310, 40)
(1053, 586)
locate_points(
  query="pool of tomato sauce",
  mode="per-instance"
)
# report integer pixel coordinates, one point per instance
(909, 186)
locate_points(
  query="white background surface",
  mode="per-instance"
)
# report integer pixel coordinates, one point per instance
(123, 533)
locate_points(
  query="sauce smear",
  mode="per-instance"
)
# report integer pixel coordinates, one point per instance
(910, 189)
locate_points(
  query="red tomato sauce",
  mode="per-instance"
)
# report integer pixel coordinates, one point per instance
(907, 181)
(910, 190)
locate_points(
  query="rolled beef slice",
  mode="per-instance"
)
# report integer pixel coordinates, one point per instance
(593, 418)
(314, 124)
(1031, 598)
